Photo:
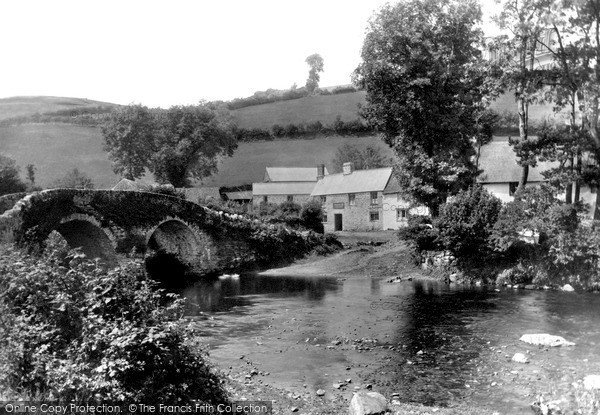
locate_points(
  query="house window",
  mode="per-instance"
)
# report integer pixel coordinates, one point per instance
(374, 215)
(323, 199)
(290, 198)
(265, 199)
(512, 188)
(401, 214)
(352, 199)
(324, 217)
(374, 198)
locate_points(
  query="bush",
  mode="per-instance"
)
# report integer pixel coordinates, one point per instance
(419, 235)
(465, 224)
(289, 208)
(312, 216)
(75, 332)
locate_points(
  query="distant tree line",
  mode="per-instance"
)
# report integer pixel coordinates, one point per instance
(276, 95)
(304, 130)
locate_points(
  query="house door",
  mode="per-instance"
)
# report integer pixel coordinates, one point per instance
(337, 218)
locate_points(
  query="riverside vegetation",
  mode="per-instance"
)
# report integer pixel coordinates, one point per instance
(536, 239)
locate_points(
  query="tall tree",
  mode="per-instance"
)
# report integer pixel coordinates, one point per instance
(190, 141)
(129, 136)
(521, 72)
(315, 63)
(10, 181)
(422, 70)
(176, 145)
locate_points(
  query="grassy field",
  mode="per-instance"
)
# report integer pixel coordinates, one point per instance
(249, 162)
(18, 106)
(324, 108)
(57, 148)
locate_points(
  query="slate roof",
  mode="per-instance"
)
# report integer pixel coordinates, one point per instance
(282, 188)
(392, 187)
(498, 162)
(372, 180)
(292, 174)
(195, 194)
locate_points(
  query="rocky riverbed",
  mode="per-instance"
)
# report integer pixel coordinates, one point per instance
(338, 325)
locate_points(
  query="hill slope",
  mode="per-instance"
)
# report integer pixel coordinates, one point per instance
(25, 106)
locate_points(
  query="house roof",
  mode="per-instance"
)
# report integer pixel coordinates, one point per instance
(292, 174)
(393, 186)
(372, 180)
(240, 195)
(282, 188)
(499, 165)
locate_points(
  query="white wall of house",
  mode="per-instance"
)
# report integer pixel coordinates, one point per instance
(395, 212)
(500, 190)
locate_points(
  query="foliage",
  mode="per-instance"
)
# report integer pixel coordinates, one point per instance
(466, 222)
(369, 157)
(315, 63)
(419, 235)
(75, 332)
(425, 82)
(176, 145)
(312, 216)
(74, 179)
(10, 181)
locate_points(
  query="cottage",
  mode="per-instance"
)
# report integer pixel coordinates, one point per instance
(287, 184)
(355, 200)
(501, 174)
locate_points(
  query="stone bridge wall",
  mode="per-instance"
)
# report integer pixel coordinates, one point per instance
(208, 240)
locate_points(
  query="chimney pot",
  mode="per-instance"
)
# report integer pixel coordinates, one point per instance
(348, 168)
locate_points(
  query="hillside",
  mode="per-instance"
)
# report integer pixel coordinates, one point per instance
(324, 108)
(25, 106)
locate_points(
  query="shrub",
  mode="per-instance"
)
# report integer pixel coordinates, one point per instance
(466, 223)
(75, 332)
(290, 208)
(419, 235)
(312, 216)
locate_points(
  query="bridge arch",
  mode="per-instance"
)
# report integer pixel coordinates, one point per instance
(85, 232)
(175, 237)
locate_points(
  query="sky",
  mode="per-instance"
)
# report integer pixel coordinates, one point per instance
(177, 52)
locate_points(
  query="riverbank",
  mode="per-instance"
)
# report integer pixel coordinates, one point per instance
(349, 361)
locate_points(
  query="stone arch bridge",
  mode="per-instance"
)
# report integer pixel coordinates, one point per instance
(107, 224)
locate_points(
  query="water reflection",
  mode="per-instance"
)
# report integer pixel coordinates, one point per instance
(225, 293)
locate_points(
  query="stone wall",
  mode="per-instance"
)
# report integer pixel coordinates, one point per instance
(356, 217)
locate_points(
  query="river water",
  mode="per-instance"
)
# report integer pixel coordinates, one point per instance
(432, 343)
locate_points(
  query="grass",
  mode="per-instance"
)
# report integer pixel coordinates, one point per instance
(55, 149)
(249, 162)
(19, 106)
(324, 108)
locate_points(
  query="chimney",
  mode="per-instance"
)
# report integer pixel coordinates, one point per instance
(347, 168)
(320, 171)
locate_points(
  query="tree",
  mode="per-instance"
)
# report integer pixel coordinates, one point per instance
(129, 135)
(189, 143)
(10, 182)
(425, 80)
(31, 174)
(369, 157)
(315, 63)
(176, 145)
(74, 179)
(521, 74)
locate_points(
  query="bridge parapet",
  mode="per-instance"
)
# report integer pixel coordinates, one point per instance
(99, 221)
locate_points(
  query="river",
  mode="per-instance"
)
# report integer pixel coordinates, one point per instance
(429, 342)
